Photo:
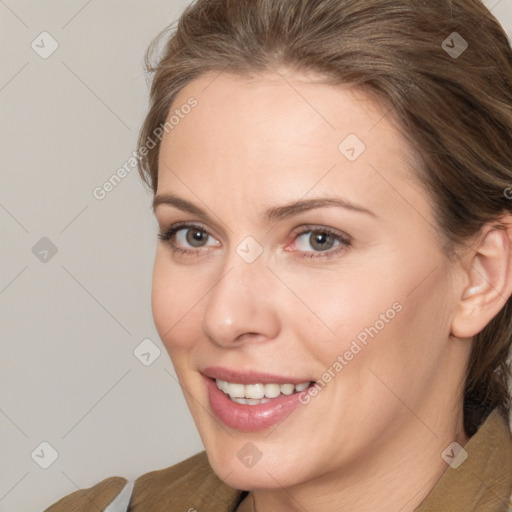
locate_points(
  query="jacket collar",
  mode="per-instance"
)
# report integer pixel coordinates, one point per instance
(483, 482)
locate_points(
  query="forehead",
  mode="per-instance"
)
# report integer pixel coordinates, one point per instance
(287, 133)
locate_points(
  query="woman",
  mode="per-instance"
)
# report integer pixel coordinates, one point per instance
(332, 283)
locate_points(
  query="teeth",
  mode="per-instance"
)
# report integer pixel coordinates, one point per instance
(222, 385)
(254, 394)
(287, 389)
(236, 390)
(272, 390)
(255, 391)
(250, 401)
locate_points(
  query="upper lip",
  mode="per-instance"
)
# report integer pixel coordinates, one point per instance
(248, 377)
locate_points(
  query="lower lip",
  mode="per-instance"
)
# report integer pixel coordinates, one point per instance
(250, 418)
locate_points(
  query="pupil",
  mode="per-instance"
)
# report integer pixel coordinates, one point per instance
(321, 241)
(195, 237)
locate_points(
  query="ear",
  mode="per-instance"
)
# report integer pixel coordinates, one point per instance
(487, 286)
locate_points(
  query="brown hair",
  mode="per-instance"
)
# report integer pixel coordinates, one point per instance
(454, 108)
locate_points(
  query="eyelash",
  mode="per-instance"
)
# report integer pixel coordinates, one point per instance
(345, 241)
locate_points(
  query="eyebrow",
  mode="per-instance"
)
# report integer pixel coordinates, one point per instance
(273, 214)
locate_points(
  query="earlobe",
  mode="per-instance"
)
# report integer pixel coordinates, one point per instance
(488, 280)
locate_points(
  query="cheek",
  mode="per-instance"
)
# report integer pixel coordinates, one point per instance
(175, 303)
(360, 318)
(336, 309)
(404, 342)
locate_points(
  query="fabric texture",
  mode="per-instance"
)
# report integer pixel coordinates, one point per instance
(93, 499)
(482, 483)
(484, 480)
(122, 500)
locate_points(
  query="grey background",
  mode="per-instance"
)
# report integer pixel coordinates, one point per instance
(71, 321)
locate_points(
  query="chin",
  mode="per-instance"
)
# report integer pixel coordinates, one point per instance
(230, 467)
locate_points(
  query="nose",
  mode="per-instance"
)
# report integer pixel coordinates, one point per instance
(240, 306)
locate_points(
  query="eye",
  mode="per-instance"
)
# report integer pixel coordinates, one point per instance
(187, 238)
(320, 241)
(309, 241)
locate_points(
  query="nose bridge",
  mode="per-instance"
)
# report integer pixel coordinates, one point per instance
(236, 304)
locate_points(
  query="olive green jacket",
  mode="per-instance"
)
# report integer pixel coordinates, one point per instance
(482, 483)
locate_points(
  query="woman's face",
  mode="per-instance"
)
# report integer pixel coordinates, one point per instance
(304, 251)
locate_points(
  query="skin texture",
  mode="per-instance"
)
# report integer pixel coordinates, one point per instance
(372, 437)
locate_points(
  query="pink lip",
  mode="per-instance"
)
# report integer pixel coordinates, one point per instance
(249, 377)
(250, 418)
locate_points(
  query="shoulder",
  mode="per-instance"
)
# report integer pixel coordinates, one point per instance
(188, 485)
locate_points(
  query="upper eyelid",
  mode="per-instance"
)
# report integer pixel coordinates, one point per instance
(219, 226)
(342, 237)
(274, 216)
(176, 226)
(304, 228)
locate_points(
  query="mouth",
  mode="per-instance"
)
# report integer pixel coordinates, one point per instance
(252, 401)
(259, 393)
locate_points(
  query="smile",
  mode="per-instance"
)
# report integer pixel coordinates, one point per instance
(259, 393)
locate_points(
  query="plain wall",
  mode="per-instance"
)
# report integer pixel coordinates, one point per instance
(71, 320)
